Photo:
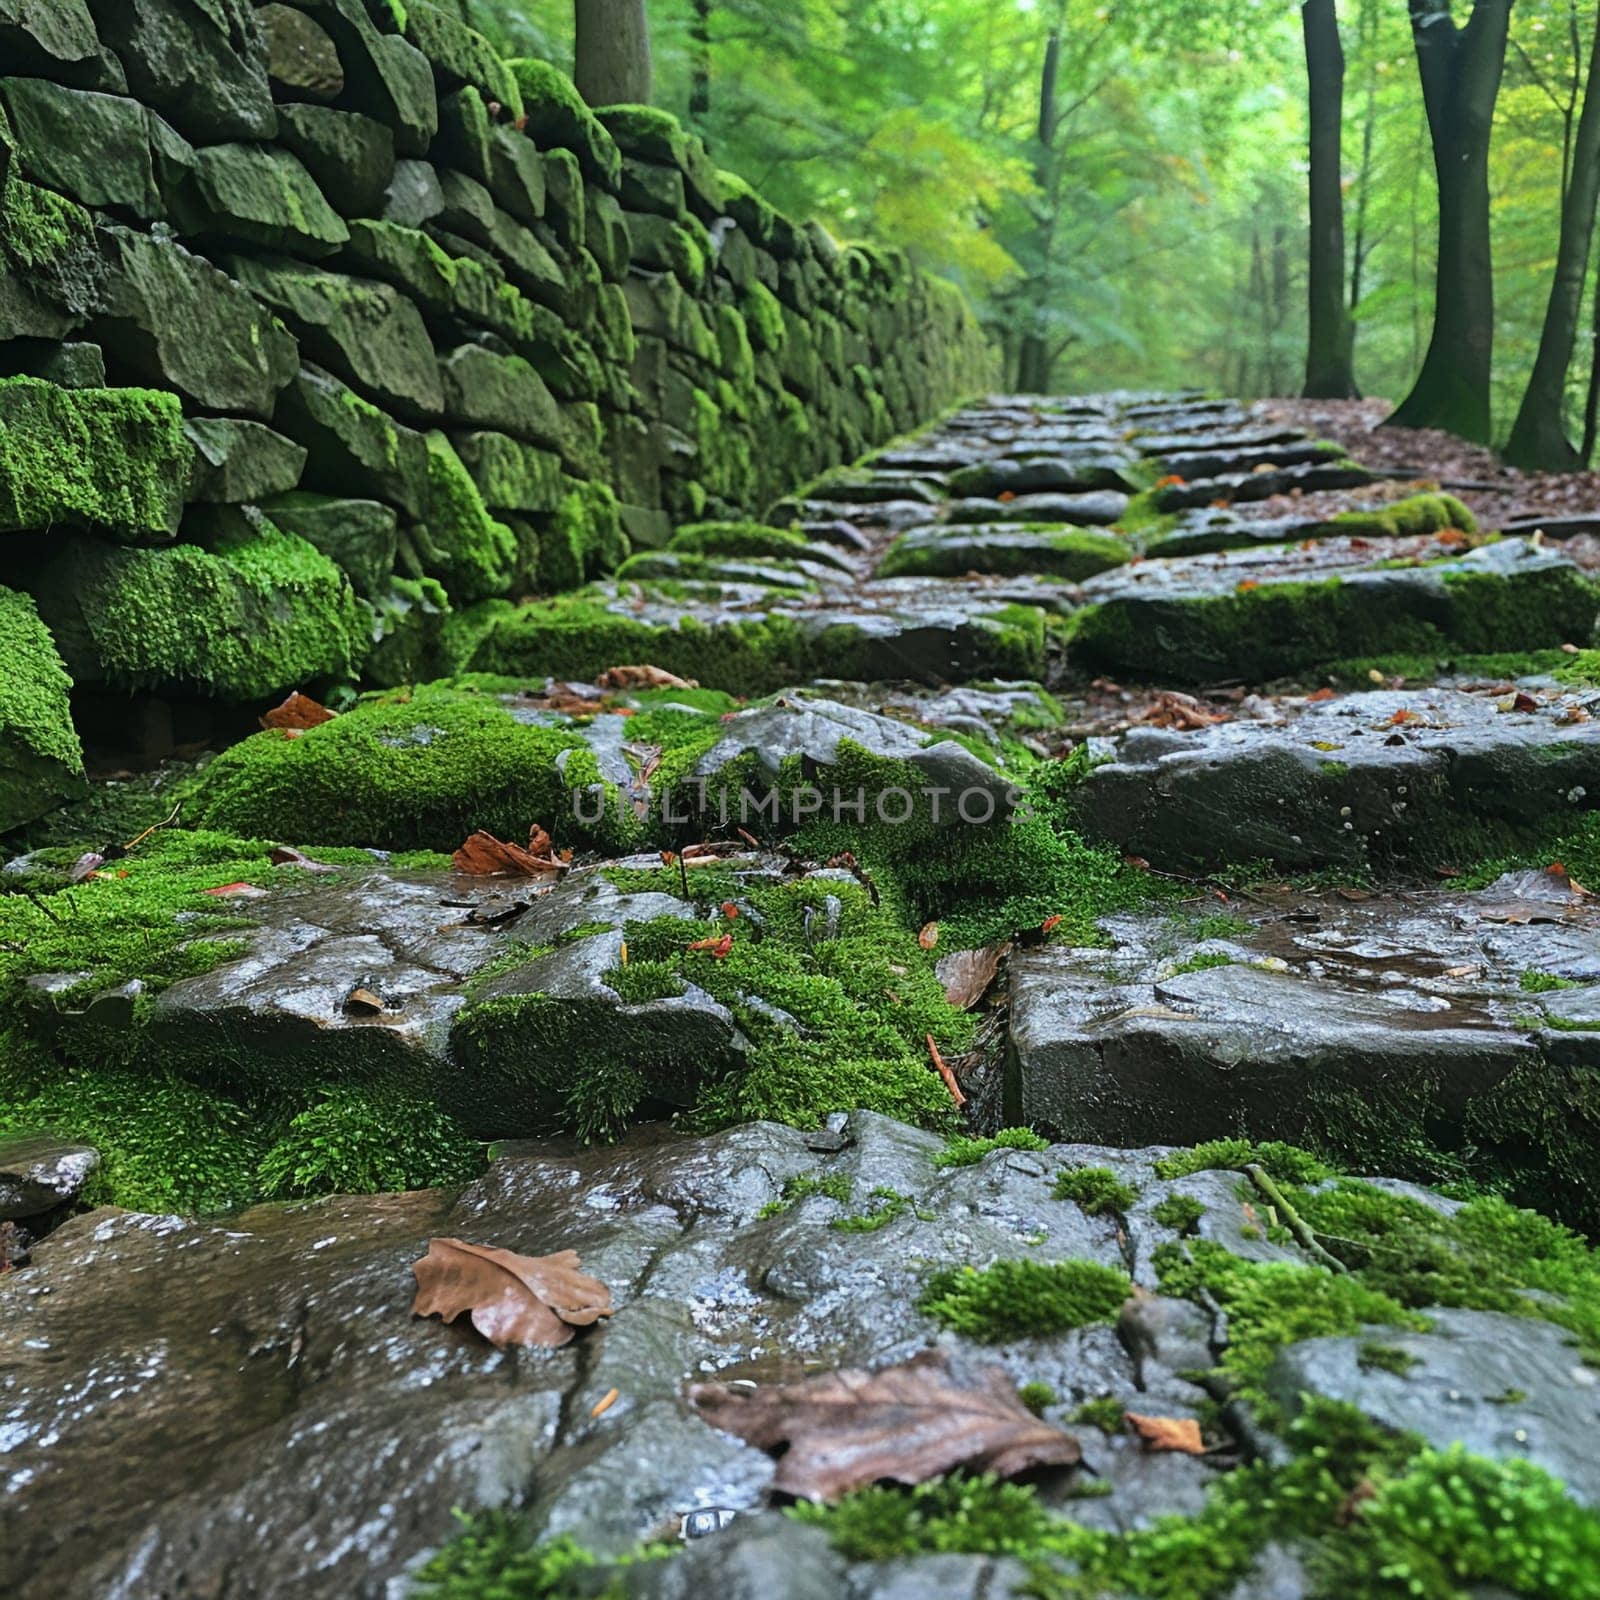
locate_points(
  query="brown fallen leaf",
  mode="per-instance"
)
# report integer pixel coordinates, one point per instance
(843, 1430)
(299, 711)
(236, 891)
(483, 855)
(967, 974)
(1173, 709)
(363, 1002)
(643, 677)
(928, 936)
(1180, 1434)
(512, 1299)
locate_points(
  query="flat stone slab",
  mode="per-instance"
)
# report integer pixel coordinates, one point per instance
(951, 549)
(1354, 783)
(1309, 1016)
(1097, 508)
(1254, 615)
(258, 1419)
(1238, 487)
(1503, 1386)
(39, 1172)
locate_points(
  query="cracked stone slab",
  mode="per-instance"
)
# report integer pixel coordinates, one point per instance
(1355, 782)
(1305, 1003)
(1097, 508)
(286, 1415)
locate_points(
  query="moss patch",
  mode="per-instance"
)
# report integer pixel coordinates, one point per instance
(1023, 1299)
(41, 763)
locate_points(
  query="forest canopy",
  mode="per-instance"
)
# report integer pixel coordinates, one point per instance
(1161, 236)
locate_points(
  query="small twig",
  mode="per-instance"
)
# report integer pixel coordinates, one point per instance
(1296, 1224)
(1209, 883)
(945, 1072)
(154, 828)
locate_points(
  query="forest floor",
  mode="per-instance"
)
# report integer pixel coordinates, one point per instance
(1139, 1044)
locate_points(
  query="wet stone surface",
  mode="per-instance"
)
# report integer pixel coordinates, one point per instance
(1180, 1031)
(260, 1400)
(1353, 782)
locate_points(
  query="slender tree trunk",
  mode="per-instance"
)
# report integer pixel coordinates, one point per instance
(1330, 343)
(1461, 70)
(1539, 435)
(1033, 351)
(1591, 404)
(700, 60)
(612, 52)
(1369, 123)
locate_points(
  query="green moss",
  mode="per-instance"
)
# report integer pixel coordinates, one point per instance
(1543, 982)
(495, 1554)
(1023, 1299)
(472, 554)
(113, 459)
(764, 318)
(584, 538)
(1072, 556)
(463, 54)
(1106, 1414)
(1385, 1358)
(1280, 628)
(41, 762)
(50, 244)
(1416, 514)
(260, 612)
(1203, 962)
(363, 1142)
(1037, 1397)
(1097, 1190)
(557, 115)
(752, 540)
(1281, 1161)
(1429, 1524)
(967, 1152)
(802, 1185)
(416, 769)
(1178, 1211)
(884, 1205)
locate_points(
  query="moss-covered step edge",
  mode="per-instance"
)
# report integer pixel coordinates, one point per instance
(1503, 597)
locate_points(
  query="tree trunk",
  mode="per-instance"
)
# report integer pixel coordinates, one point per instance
(700, 60)
(1460, 70)
(1591, 404)
(612, 52)
(1033, 351)
(1539, 436)
(1330, 344)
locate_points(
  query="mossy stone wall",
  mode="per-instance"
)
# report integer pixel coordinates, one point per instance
(411, 317)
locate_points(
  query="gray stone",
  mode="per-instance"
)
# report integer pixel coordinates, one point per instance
(404, 257)
(352, 445)
(366, 332)
(1359, 782)
(1318, 1002)
(100, 149)
(413, 196)
(511, 475)
(1098, 508)
(1244, 486)
(71, 364)
(201, 63)
(359, 536)
(39, 1173)
(1503, 1386)
(1218, 460)
(503, 393)
(301, 58)
(58, 39)
(237, 462)
(264, 196)
(41, 764)
(349, 156)
(1080, 472)
(386, 76)
(181, 323)
(950, 550)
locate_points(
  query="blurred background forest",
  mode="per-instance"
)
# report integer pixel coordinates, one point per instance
(1161, 239)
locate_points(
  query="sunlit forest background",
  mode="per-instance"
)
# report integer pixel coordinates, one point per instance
(1175, 250)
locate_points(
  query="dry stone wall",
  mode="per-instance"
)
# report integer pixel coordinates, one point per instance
(321, 324)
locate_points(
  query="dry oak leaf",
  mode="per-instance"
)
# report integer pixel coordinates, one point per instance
(843, 1430)
(299, 711)
(967, 974)
(512, 1299)
(1180, 1434)
(485, 856)
(643, 677)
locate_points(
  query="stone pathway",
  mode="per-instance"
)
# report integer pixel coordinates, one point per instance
(1298, 911)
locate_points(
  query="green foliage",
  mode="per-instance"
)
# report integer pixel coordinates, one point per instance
(1097, 1190)
(414, 769)
(1543, 983)
(963, 1151)
(494, 1554)
(356, 1141)
(834, 1185)
(1023, 1299)
(1178, 1211)
(1282, 1161)
(1037, 1397)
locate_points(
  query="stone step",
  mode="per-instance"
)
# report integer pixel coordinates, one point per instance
(949, 550)
(1239, 487)
(1252, 616)
(1098, 508)
(1383, 1028)
(1364, 783)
